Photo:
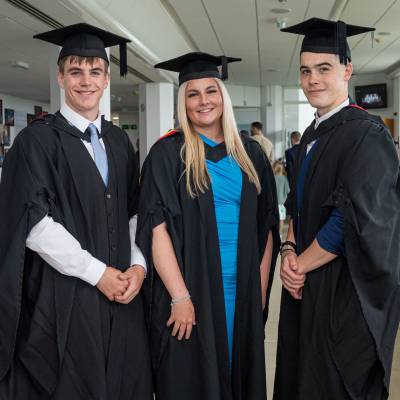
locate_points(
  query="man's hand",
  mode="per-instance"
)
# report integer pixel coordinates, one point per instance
(292, 280)
(135, 276)
(112, 284)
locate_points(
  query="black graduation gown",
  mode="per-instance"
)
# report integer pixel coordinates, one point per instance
(290, 156)
(198, 368)
(59, 336)
(337, 342)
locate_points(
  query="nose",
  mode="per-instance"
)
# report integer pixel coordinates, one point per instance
(85, 79)
(313, 78)
(204, 98)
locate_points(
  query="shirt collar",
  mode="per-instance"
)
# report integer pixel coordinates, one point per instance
(329, 114)
(77, 120)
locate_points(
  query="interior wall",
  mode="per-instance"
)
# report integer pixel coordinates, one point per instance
(132, 119)
(245, 116)
(372, 79)
(21, 108)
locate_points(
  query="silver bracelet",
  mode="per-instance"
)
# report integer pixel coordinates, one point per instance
(180, 299)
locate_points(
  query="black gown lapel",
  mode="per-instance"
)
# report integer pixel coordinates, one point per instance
(207, 212)
(80, 161)
(322, 134)
(307, 138)
(248, 203)
(61, 123)
(83, 169)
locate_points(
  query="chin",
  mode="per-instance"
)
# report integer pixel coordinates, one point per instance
(318, 104)
(207, 122)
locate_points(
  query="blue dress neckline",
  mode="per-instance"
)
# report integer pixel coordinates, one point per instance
(209, 141)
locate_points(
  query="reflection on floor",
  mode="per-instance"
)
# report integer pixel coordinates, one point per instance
(272, 336)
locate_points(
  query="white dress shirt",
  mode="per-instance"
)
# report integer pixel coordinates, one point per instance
(58, 247)
(329, 114)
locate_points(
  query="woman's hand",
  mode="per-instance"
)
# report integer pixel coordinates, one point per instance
(183, 318)
(264, 298)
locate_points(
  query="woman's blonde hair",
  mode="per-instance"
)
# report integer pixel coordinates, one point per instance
(193, 150)
(278, 168)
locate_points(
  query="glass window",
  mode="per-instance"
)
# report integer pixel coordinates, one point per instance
(291, 94)
(298, 114)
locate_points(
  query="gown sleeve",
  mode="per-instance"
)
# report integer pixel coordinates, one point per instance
(158, 194)
(267, 213)
(25, 199)
(159, 202)
(368, 196)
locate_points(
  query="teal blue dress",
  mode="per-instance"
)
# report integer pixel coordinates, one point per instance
(226, 185)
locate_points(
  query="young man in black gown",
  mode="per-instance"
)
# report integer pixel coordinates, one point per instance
(72, 324)
(340, 265)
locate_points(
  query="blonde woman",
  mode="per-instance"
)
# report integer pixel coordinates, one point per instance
(282, 189)
(208, 226)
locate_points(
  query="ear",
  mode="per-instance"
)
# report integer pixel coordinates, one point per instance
(348, 71)
(60, 79)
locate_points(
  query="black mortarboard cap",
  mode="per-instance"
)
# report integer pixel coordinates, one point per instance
(324, 36)
(86, 41)
(198, 65)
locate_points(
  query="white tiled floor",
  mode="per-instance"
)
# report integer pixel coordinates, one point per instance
(272, 336)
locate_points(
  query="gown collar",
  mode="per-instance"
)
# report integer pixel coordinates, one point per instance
(214, 151)
(329, 114)
(77, 120)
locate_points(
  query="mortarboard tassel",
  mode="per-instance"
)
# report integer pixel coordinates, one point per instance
(123, 63)
(341, 33)
(224, 68)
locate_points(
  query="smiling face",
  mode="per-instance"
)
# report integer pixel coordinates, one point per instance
(324, 80)
(204, 105)
(84, 84)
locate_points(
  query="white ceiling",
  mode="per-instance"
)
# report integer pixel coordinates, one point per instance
(232, 28)
(162, 29)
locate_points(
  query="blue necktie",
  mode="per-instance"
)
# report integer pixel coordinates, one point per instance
(100, 156)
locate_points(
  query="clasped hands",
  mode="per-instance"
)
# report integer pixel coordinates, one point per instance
(292, 275)
(119, 286)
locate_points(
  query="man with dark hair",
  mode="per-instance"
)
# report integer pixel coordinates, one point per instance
(340, 268)
(72, 323)
(257, 134)
(290, 154)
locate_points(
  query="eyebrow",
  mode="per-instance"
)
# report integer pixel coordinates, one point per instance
(317, 65)
(75, 68)
(208, 87)
(69, 69)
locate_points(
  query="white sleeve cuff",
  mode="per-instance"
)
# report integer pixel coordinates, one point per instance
(136, 254)
(63, 252)
(94, 271)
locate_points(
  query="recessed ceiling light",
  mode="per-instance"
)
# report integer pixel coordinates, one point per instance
(281, 10)
(21, 65)
(384, 33)
(281, 23)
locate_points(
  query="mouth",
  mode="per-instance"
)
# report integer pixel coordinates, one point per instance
(205, 110)
(316, 91)
(85, 92)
